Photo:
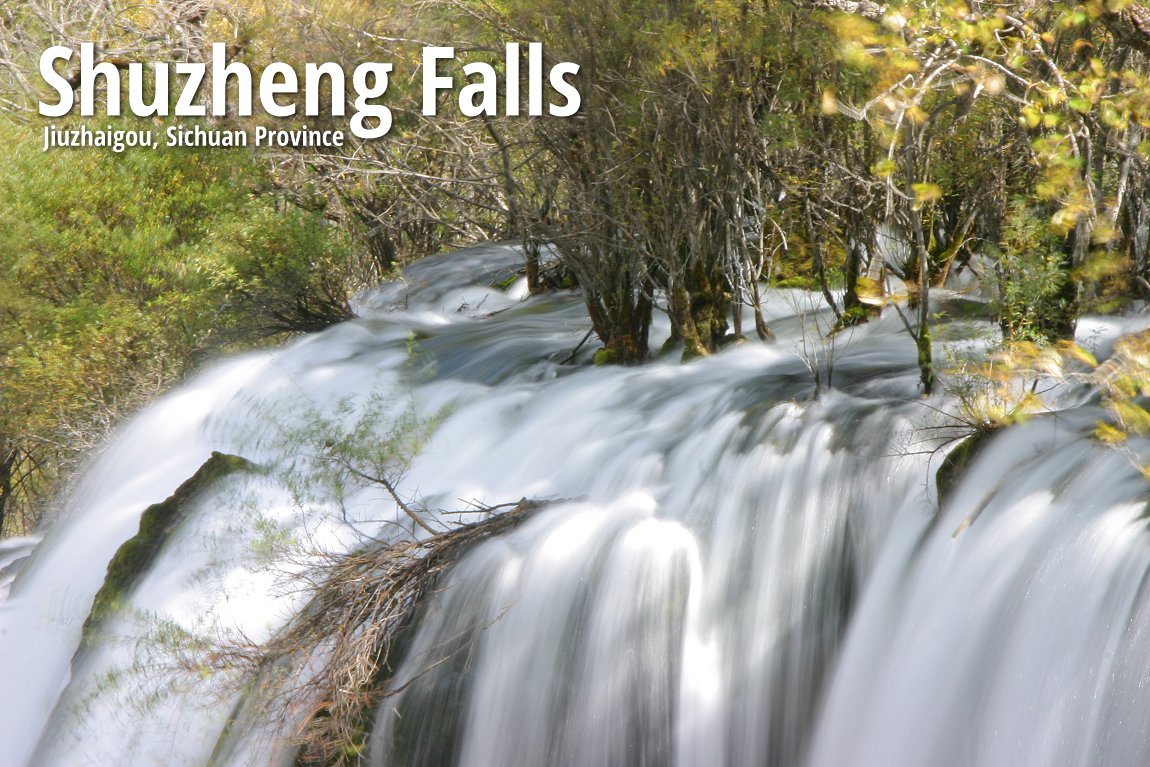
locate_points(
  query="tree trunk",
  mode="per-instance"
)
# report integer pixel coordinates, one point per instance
(624, 327)
(683, 324)
(7, 463)
(531, 251)
(698, 311)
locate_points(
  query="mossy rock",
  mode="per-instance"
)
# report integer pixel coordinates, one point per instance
(605, 356)
(137, 554)
(958, 460)
(506, 283)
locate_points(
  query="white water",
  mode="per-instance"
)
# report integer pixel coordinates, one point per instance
(738, 575)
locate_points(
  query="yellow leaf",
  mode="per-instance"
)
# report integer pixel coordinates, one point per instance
(1071, 350)
(1104, 432)
(925, 193)
(917, 115)
(869, 291)
(829, 102)
(1134, 417)
(884, 168)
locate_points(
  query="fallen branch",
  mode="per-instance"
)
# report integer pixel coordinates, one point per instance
(335, 657)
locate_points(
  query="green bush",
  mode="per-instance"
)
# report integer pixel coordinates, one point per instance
(118, 272)
(1031, 280)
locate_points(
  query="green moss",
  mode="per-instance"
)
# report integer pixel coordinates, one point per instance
(852, 317)
(958, 460)
(692, 352)
(606, 357)
(505, 284)
(137, 554)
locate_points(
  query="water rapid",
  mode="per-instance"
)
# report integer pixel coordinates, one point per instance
(731, 570)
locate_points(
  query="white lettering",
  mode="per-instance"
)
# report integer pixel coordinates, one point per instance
(362, 108)
(487, 88)
(221, 71)
(564, 88)
(432, 82)
(136, 105)
(48, 71)
(312, 75)
(269, 88)
(89, 71)
(195, 73)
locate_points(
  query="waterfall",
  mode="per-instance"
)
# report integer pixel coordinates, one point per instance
(1020, 639)
(729, 571)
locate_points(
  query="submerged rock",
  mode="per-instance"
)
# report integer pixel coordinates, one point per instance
(958, 459)
(135, 557)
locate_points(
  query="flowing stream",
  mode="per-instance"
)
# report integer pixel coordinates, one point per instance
(732, 572)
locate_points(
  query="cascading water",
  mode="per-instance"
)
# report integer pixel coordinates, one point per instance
(732, 572)
(1021, 639)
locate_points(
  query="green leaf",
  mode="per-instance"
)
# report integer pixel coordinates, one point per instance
(1080, 105)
